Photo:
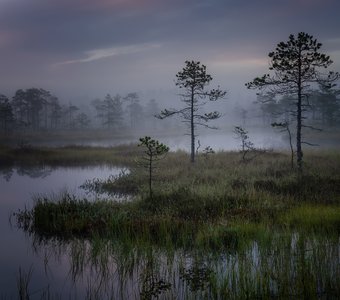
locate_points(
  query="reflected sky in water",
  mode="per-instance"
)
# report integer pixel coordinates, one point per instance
(25, 183)
(70, 268)
(17, 191)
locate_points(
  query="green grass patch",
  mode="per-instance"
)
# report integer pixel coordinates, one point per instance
(188, 199)
(309, 217)
(214, 229)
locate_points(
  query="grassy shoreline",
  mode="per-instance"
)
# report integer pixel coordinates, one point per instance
(69, 155)
(218, 192)
(219, 228)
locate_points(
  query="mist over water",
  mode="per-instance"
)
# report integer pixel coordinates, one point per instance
(101, 74)
(224, 142)
(218, 140)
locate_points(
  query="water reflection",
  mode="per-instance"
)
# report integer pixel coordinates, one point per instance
(41, 179)
(19, 185)
(7, 173)
(285, 266)
(33, 171)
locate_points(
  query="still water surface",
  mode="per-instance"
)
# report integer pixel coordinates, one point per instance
(18, 188)
(281, 264)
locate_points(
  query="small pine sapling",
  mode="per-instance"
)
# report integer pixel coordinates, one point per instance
(154, 151)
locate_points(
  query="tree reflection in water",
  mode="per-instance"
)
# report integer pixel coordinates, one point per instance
(32, 171)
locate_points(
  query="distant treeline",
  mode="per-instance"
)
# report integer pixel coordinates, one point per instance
(36, 109)
(320, 107)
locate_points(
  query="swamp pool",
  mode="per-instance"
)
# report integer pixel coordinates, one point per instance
(274, 264)
(19, 186)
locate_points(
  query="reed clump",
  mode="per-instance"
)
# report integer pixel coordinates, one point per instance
(218, 192)
(220, 228)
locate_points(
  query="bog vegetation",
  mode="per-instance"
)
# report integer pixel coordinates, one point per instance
(218, 189)
(219, 205)
(240, 225)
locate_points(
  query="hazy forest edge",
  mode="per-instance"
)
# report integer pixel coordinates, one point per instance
(296, 95)
(170, 150)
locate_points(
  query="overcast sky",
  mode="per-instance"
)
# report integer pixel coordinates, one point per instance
(87, 48)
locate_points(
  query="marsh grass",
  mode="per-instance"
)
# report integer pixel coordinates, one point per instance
(214, 191)
(123, 155)
(217, 228)
(23, 281)
(284, 265)
(309, 218)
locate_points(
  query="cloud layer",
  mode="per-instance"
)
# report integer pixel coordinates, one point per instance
(145, 42)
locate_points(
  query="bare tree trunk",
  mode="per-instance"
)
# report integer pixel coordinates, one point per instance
(291, 147)
(150, 176)
(299, 153)
(192, 127)
(298, 135)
